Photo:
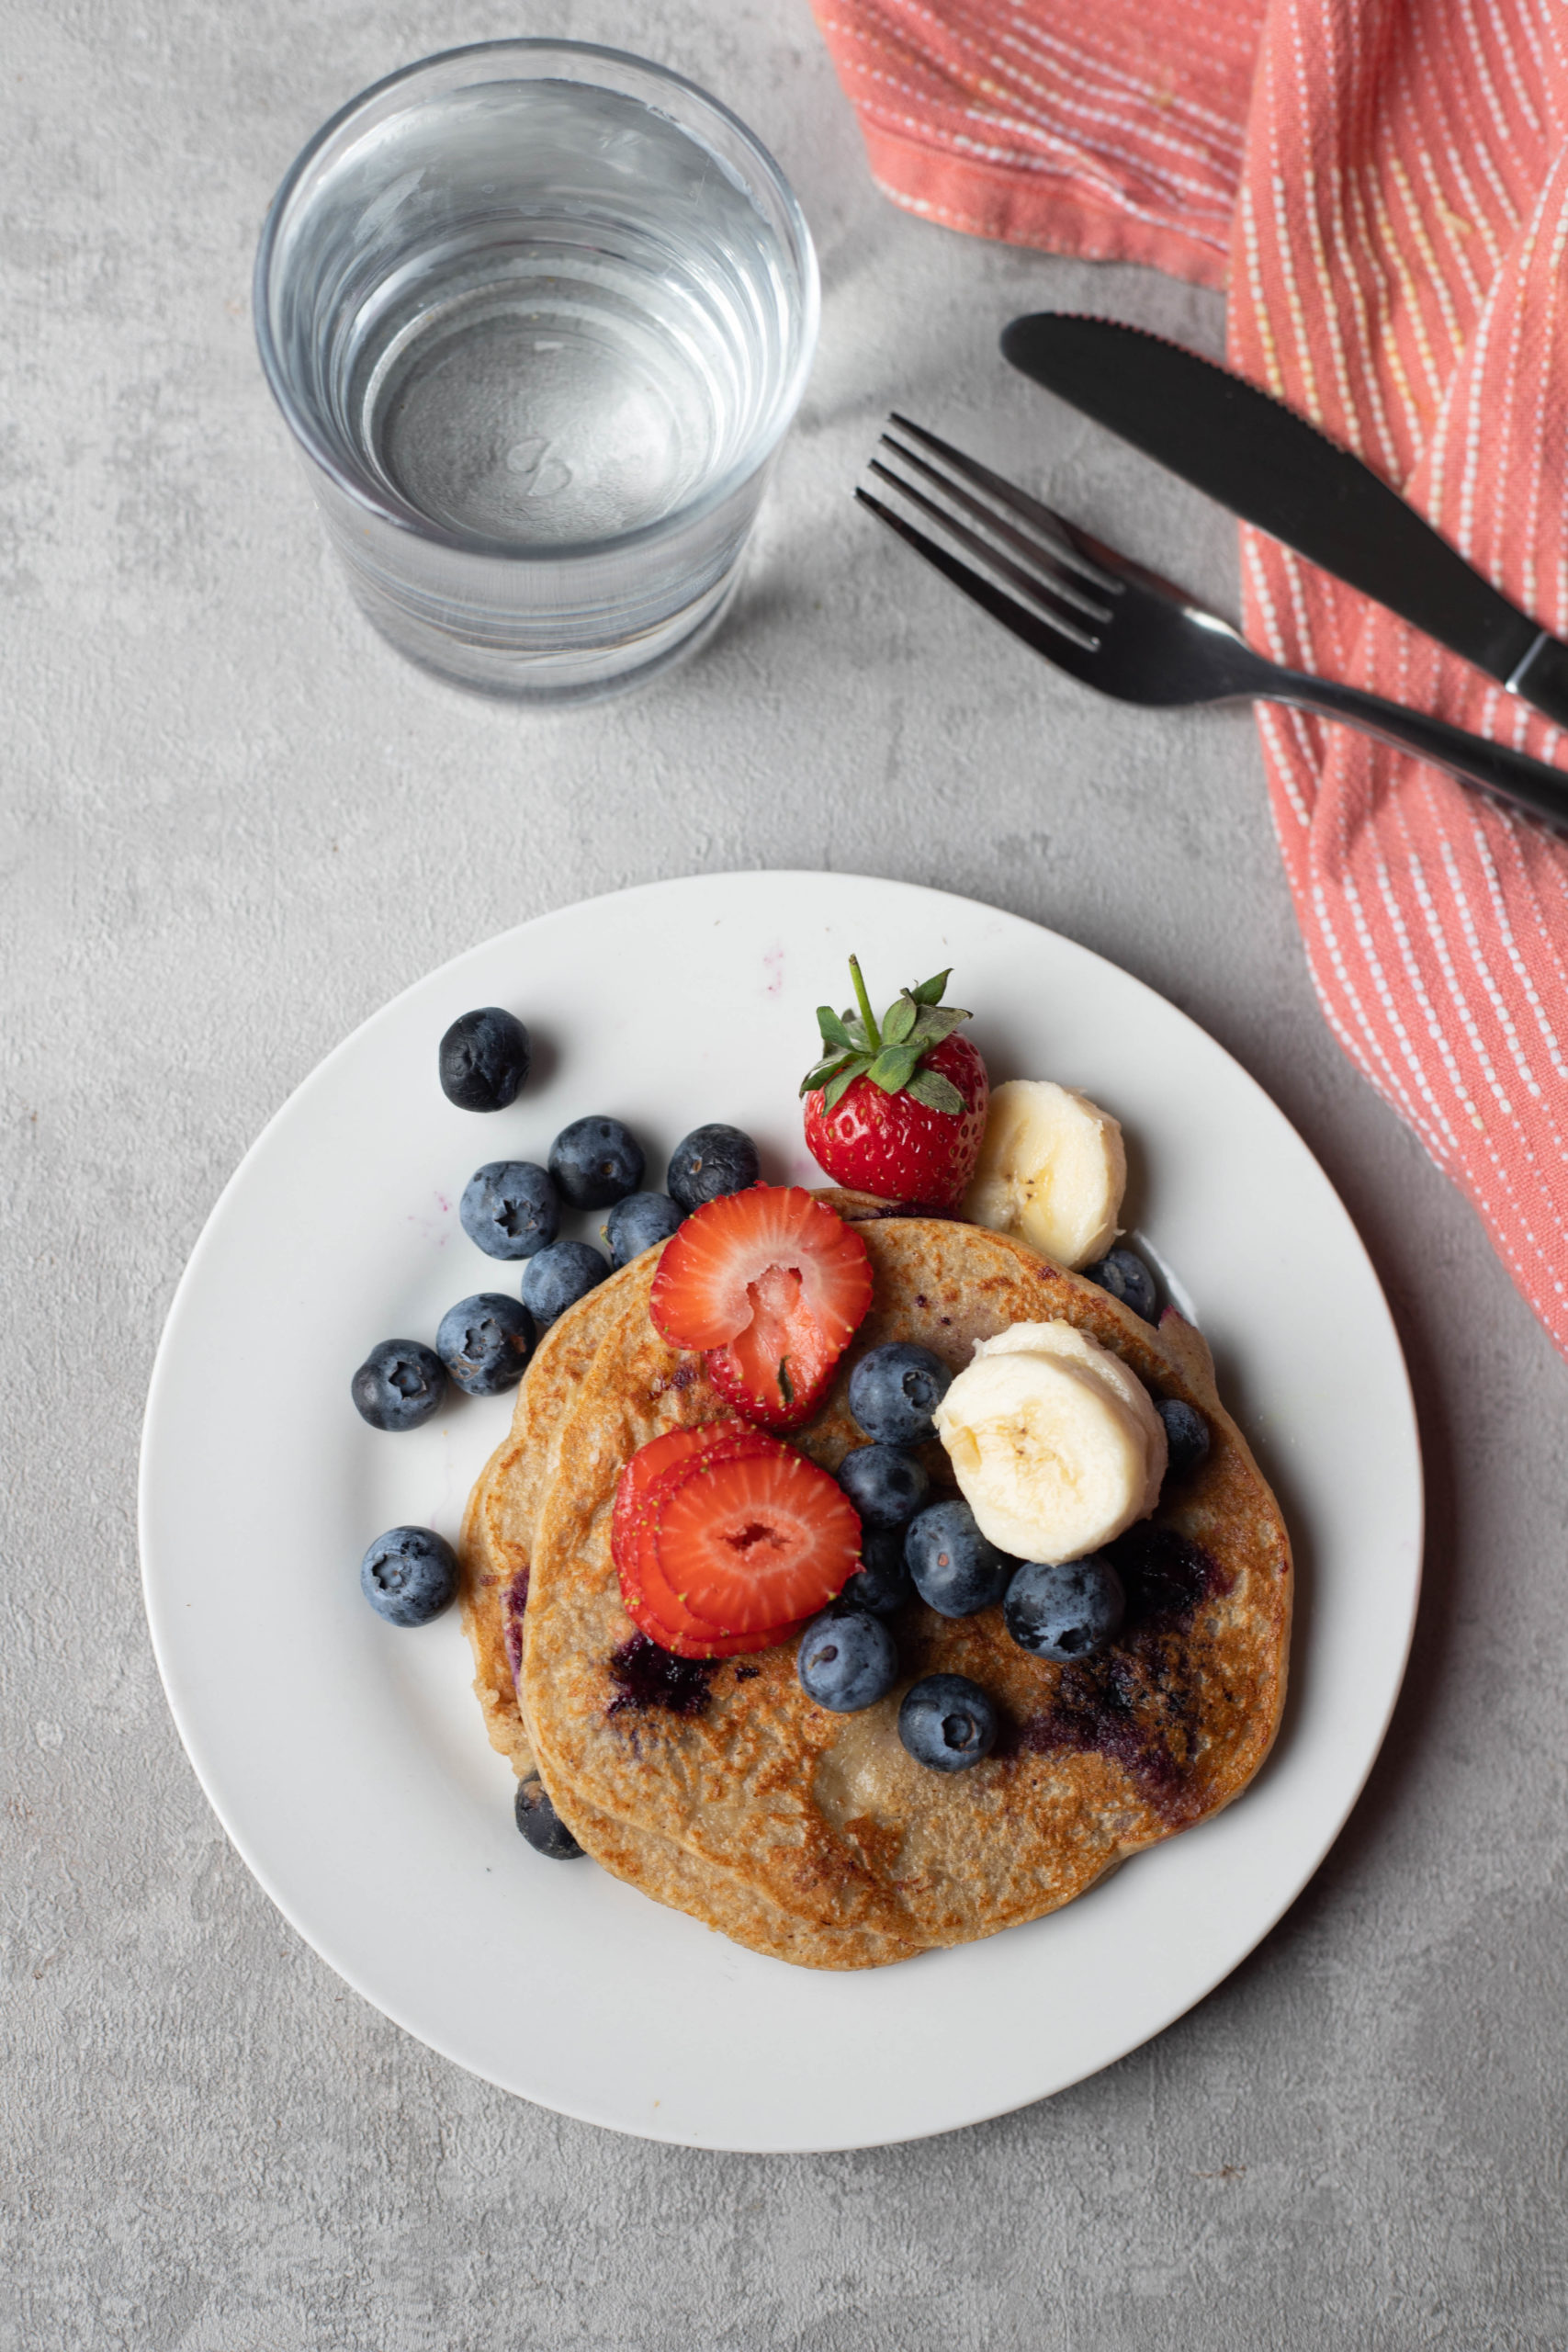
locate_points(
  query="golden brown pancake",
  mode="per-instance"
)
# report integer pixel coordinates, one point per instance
(723, 1900)
(844, 1850)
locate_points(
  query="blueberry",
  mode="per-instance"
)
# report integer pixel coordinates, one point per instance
(484, 1060)
(956, 1569)
(895, 1390)
(886, 1487)
(1123, 1274)
(847, 1660)
(709, 1161)
(409, 1575)
(510, 1208)
(947, 1723)
(881, 1583)
(560, 1276)
(541, 1824)
(595, 1161)
(1186, 1435)
(635, 1224)
(485, 1343)
(1071, 1611)
(400, 1384)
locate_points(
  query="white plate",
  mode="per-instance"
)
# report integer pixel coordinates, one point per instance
(346, 1759)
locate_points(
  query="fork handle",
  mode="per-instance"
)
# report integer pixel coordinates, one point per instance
(1512, 776)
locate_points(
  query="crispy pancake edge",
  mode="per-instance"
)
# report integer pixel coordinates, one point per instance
(495, 1547)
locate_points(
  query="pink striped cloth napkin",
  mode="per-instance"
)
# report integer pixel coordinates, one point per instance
(1381, 188)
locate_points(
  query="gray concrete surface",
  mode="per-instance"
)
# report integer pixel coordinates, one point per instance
(233, 825)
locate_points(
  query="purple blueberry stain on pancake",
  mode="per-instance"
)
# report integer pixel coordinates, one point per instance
(1138, 1706)
(512, 1606)
(648, 1677)
(1167, 1577)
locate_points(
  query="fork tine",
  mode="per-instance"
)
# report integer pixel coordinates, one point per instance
(1049, 637)
(1096, 562)
(1047, 555)
(1068, 615)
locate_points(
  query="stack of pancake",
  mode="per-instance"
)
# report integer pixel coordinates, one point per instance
(723, 1790)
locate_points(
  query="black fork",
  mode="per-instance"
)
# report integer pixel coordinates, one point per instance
(1130, 634)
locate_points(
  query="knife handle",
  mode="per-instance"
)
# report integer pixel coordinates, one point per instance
(1512, 776)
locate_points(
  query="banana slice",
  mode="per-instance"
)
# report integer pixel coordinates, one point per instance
(1055, 1443)
(1065, 1341)
(1052, 1169)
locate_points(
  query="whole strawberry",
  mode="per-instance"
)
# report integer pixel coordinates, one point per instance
(897, 1107)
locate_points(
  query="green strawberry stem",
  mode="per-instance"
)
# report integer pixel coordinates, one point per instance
(892, 1052)
(866, 1014)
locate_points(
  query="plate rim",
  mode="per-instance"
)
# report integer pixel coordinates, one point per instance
(319, 1076)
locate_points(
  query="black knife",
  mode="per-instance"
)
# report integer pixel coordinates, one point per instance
(1272, 467)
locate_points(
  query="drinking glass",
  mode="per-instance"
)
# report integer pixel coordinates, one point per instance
(538, 315)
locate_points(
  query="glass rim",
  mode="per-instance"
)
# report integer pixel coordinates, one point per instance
(404, 516)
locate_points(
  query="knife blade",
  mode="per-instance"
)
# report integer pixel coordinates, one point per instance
(1270, 466)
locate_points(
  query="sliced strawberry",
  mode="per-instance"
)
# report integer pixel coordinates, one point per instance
(637, 1555)
(652, 1474)
(649, 1462)
(702, 1293)
(753, 1540)
(655, 1473)
(771, 1284)
(713, 1646)
(776, 1370)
